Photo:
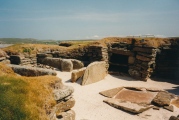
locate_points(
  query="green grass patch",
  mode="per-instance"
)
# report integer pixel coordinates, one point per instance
(13, 98)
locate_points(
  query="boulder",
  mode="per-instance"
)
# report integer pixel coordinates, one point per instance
(94, 72)
(77, 64)
(76, 74)
(66, 65)
(163, 98)
(127, 106)
(68, 115)
(64, 105)
(60, 94)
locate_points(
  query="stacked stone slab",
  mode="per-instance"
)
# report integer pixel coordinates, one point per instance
(98, 53)
(23, 60)
(117, 62)
(144, 64)
(168, 62)
(65, 101)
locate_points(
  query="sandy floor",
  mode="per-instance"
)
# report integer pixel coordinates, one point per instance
(90, 106)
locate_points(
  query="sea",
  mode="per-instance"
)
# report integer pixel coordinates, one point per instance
(5, 45)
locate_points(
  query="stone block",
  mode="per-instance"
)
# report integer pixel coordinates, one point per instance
(94, 72)
(76, 74)
(66, 65)
(77, 64)
(131, 60)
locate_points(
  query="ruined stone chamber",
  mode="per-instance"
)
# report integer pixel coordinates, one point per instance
(142, 60)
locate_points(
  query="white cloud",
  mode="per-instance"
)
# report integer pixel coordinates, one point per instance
(96, 36)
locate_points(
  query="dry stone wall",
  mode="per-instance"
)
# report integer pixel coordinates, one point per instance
(167, 62)
(23, 60)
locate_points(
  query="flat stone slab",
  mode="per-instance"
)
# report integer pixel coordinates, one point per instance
(139, 97)
(111, 93)
(163, 98)
(127, 106)
(94, 72)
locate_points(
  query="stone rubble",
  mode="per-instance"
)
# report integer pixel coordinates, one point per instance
(65, 101)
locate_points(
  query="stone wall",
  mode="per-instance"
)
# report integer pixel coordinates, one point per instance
(23, 60)
(142, 62)
(167, 62)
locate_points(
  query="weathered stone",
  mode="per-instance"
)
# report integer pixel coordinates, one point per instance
(147, 55)
(2, 53)
(143, 58)
(31, 71)
(77, 64)
(138, 97)
(60, 94)
(134, 73)
(131, 60)
(54, 62)
(6, 61)
(76, 74)
(68, 115)
(170, 108)
(66, 65)
(94, 72)
(64, 105)
(43, 55)
(111, 93)
(163, 98)
(156, 108)
(173, 118)
(122, 52)
(175, 102)
(127, 106)
(145, 50)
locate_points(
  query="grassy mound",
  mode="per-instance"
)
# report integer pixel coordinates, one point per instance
(25, 98)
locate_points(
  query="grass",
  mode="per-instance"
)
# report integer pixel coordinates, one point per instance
(12, 99)
(25, 98)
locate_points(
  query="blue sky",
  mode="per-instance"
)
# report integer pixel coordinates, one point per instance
(87, 19)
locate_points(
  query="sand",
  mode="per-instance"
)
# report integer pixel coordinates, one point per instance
(90, 106)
